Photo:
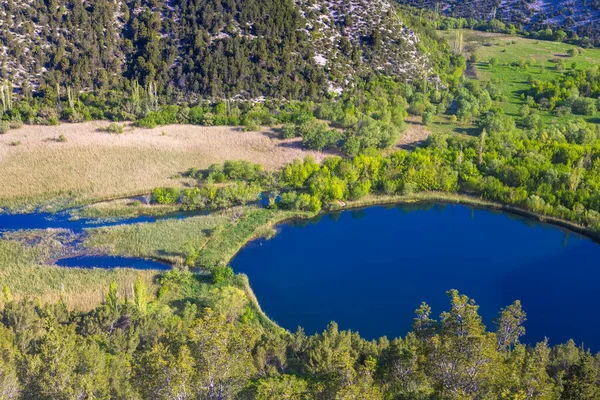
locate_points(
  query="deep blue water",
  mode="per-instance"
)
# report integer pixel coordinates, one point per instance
(108, 262)
(63, 220)
(370, 269)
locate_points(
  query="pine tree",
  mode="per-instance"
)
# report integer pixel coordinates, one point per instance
(580, 380)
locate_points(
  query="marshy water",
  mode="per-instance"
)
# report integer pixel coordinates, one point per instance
(370, 269)
(64, 220)
(112, 262)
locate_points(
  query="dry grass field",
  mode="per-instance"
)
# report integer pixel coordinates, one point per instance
(91, 165)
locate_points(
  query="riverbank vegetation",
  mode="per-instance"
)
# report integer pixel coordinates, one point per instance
(547, 175)
(208, 241)
(140, 349)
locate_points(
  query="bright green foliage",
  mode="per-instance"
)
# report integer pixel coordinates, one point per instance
(10, 388)
(242, 170)
(297, 173)
(317, 135)
(509, 325)
(164, 375)
(228, 301)
(187, 351)
(111, 297)
(222, 274)
(286, 387)
(575, 89)
(222, 353)
(165, 195)
(140, 296)
(6, 295)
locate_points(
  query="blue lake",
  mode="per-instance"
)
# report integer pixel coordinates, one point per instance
(369, 269)
(109, 262)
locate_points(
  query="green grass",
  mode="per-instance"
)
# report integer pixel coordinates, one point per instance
(216, 237)
(513, 80)
(124, 208)
(168, 240)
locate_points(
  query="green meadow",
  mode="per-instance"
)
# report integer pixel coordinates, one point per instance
(519, 61)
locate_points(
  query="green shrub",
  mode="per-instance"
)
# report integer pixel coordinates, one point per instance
(114, 128)
(315, 204)
(242, 170)
(222, 274)
(584, 106)
(165, 195)
(240, 193)
(75, 117)
(215, 174)
(4, 127)
(288, 131)
(61, 138)
(147, 122)
(15, 121)
(428, 118)
(183, 115)
(47, 116)
(316, 135)
(288, 201)
(251, 125)
(196, 115)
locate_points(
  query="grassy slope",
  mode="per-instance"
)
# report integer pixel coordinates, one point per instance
(513, 80)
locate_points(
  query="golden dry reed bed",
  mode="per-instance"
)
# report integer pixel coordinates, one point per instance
(91, 165)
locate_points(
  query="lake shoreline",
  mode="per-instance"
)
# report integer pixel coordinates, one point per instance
(440, 197)
(370, 201)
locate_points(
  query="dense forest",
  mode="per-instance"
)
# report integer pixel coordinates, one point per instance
(192, 49)
(136, 349)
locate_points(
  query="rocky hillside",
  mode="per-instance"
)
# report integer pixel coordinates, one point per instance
(351, 35)
(204, 48)
(580, 16)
